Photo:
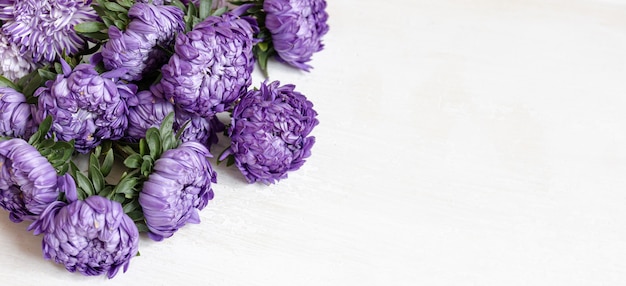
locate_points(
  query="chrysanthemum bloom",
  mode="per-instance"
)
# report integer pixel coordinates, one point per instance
(149, 111)
(14, 64)
(85, 106)
(270, 132)
(179, 186)
(45, 28)
(297, 27)
(93, 236)
(136, 49)
(28, 182)
(16, 119)
(199, 129)
(212, 65)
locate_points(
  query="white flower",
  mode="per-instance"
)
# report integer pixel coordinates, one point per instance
(13, 64)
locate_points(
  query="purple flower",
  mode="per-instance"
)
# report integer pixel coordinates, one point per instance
(92, 237)
(297, 27)
(270, 132)
(178, 187)
(199, 129)
(28, 182)
(212, 65)
(14, 64)
(136, 49)
(85, 106)
(149, 111)
(16, 119)
(45, 28)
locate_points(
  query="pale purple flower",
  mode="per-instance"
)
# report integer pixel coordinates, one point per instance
(16, 119)
(45, 28)
(93, 236)
(85, 106)
(179, 186)
(211, 66)
(14, 64)
(270, 132)
(136, 49)
(28, 182)
(297, 28)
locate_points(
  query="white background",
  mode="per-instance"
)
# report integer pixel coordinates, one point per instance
(461, 143)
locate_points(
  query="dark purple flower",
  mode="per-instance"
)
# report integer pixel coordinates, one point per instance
(45, 28)
(179, 186)
(270, 132)
(85, 106)
(149, 111)
(16, 119)
(93, 236)
(212, 65)
(28, 182)
(297, 27)
(199, 129)
(136, 49)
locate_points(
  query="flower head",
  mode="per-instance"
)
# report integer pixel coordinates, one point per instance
(270, 132)
(28, 182)
(85, 106)
(45, 28)
(178, 187)
(297, 27)
(93, 236)
(148, 111)
(16, 119)
(199, 129)
(211, 66)
(135, 49)
(14, 64)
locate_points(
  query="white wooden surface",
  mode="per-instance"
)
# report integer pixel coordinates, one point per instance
(461, 143)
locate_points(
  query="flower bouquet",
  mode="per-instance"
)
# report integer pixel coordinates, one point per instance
(143, 83)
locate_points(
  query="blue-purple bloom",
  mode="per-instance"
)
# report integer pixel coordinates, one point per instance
(93, 236)
(270, 132)
(212, 65)
(297, 28)
(85, 106)
(16, 119)
(136, 49)
(148, 111)
(199, 129)
(179, 186)
(45, 28)
(28, 182)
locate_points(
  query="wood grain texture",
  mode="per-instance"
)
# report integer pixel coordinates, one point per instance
(461, 143)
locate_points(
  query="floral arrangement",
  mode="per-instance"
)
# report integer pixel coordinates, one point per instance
(141, 83)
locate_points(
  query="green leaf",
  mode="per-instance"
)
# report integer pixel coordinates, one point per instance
(220, 11)
(146, 165)
(141, 227)
(154, 142)
(84, 183)
(143, 147)
(126, 186)
(112, 6)
(33, 85)
(46, 75)
(96, 176)
(107, 164)
(8, 83)
(131, 206)
(90, 27)
(133, 161)
(205, 9)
